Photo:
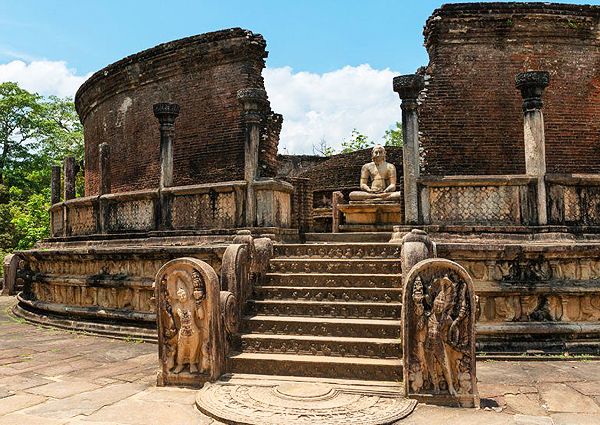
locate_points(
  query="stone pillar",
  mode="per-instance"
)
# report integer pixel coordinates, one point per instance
(253, 100)
(104, 169)
(69, 165)
(166, 114)
(55, 185)
(408, 88)
(532, 85)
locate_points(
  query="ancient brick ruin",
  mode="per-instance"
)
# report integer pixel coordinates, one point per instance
(499, 167)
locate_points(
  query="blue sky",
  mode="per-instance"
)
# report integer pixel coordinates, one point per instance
(317, 51)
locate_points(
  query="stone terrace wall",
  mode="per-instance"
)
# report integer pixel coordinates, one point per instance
(202, 74)
(471, 118)
(294, 165)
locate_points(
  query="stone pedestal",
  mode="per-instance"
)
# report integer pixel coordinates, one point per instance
(371, 213)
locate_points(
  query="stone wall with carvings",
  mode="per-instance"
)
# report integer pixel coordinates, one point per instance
(471, 119)
(104, 283)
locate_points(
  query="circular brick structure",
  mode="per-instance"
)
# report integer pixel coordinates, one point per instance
(201, 74)
(471, 114)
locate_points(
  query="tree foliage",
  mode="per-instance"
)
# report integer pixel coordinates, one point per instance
(358, 141)
(35, 133)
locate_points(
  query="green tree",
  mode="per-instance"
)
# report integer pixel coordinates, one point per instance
(35, 133)
(356, 142)
(393, 136)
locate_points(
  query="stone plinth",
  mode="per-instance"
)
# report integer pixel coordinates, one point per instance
(371, 213)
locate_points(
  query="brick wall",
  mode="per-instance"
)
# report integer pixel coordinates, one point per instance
(471, 117)
(202, 74)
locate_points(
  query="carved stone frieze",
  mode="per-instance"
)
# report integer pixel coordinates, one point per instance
(391, 330)
(189, 321)
(366, 310)
(387, 266)
(337, 251)
(439, 308)
(322, 348)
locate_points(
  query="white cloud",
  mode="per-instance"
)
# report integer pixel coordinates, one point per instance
(43, 77)
(314, 106)
(330, 105)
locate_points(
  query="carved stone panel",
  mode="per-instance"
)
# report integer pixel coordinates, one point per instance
(438, 319)
(189, 323)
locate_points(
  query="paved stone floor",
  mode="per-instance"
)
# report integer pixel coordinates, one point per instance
(50, 376)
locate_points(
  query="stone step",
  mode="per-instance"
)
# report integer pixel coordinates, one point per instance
(310, 265)
(378, 348)
(366, 310)
(318, 293)
(339, 280)
(318, 326)
(316, 366)
(338, 250)
(350, 237)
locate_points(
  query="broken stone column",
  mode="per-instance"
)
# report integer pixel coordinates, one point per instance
(104, 169)
(166, 114)
(55, 185)
(253, 100)
(69, 166)
(532, 85)
(408, 88)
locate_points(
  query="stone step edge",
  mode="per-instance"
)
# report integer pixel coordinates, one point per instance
(345, 275)
(329, 288)
(325, 302)
(320, 320)
(303, 358)
(315, 338)
(335, 260)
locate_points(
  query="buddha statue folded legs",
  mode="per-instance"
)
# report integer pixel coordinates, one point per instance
(383, 180)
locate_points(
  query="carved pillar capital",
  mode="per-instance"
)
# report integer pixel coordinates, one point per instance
(408, 88)
(166, 113)
(253, 100)
(532, 85)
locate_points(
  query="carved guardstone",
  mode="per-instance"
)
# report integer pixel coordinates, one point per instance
(438, 334)
(191, 343)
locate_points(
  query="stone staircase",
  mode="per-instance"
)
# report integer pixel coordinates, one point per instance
(328, 310)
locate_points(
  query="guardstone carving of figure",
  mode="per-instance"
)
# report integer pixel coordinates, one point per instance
(189, 326)
(438, 334)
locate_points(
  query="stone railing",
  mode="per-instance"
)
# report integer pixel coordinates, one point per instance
(478, 200)
(573, 199)
(195, 207)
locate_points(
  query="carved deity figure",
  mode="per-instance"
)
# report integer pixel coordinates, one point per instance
(383, 179)
(184, 328)
(438, 335)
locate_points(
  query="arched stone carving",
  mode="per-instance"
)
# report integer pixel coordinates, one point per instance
(190, 335)
(438, 319)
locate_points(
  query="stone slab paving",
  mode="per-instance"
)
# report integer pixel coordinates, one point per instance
(50, 376)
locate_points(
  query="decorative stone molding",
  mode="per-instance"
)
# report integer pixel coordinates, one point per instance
(235, 272)
(166, 113)
(438, 334)
(532, 85)
(191, 333)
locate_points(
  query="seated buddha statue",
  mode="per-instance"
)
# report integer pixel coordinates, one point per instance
(383, 179)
